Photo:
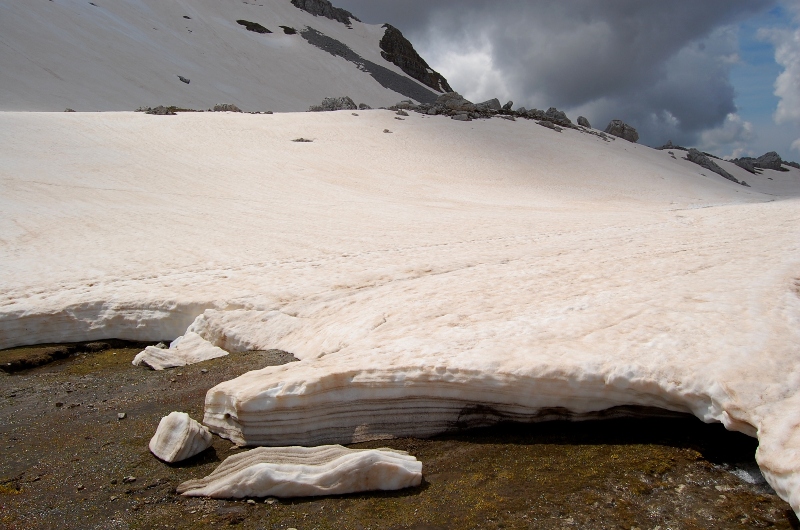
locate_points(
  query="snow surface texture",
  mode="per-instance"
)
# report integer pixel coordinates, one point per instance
(307, 472)
(179, 437)
(125, 54)
(191, 348)
(456, 273)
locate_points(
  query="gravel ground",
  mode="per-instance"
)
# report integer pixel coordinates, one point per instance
(69, 462)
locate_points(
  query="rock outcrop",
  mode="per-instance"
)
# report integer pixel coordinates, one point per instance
(771, 160)
(255, 27)
(583, 122)
(492, 104)
(323, 8)
(226, 107)
(332, 104)
(704, 161)
(396, 49)
(622, 130)
(179, 437)
(307, 472)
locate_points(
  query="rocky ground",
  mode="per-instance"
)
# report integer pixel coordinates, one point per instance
(71, 461)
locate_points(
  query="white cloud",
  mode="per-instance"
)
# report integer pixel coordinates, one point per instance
(796, 145)
(787, 85)
(731, 138)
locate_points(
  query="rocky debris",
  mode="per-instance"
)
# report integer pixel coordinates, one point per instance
(550, 125)
(507, 107)
(461, 117)
(704, 161)
(492, 104)
(364, 106)
(307, 471)
(302, 140)
(793, 164)
(160, 110)
(387, 131)
(771, 160)
(179, 437)
(386, 77)
(184, 79)
(746, 164)
(396, 49)
(288, 30)
(556, 116)
(68, 110)
(253, 26)
(522, 110)
(323, 8)
(401, 112)
(622, 130)
(455, 102)
(583, 122)
(226, 107)
(669, 145)
(333, 104)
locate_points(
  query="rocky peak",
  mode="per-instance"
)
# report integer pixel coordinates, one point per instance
(396, 49)
(325, 9)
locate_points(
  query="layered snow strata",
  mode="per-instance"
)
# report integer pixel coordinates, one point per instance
(307, 472)
(179, 437)
(188, 349)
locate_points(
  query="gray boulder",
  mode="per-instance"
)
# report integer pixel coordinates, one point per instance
(771, 160)
(364, 106)
(454, 101)
(746, 164)
(557, 116)
(507, 106)
(583, 122)
(161, 110)
(332, 104)
(492, 104)
(622, 130)
(522, 110)
(226, 107)
(184, 79)
(461, 117)
(693, 155)
(549, 125)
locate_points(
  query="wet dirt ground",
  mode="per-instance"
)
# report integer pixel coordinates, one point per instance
(69, 462)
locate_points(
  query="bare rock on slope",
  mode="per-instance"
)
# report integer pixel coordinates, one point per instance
(226, 107)
(396, 49)
(622, 130)
(771, 160)
(455, 101)
(325, 9)
(702, 160)
(583, 122)
(331, 104)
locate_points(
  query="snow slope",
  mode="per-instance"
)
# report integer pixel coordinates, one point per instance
(442, 275)
(123, 54)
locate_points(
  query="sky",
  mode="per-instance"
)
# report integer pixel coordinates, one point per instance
(720, 75)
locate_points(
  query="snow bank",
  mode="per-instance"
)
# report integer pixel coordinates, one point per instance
(307, 472)
(449, 274)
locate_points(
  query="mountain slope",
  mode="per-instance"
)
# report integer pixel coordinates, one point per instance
(123, 54)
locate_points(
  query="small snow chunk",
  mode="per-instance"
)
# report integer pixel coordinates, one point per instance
(179, 437)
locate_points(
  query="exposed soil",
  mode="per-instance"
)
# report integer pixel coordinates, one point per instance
(68, 462)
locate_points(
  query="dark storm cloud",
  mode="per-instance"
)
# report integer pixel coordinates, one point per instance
(662, 66)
